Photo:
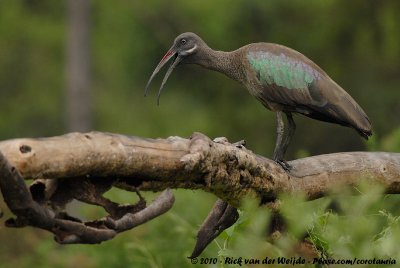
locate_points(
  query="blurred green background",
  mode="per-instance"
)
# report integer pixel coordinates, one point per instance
(356, 42)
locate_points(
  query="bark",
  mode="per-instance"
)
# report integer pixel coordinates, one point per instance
(83, 166)
(231, 172)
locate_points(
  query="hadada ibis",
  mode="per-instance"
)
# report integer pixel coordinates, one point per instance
(282, 79)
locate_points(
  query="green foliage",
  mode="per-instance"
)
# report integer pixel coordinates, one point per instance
(365, 227)
(392, 141)
(357, 42)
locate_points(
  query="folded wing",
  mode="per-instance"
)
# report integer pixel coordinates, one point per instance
(292, 82)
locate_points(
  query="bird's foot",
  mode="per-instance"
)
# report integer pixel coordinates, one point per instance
(285, 165)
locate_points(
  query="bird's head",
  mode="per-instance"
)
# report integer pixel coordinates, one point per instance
(185, 46)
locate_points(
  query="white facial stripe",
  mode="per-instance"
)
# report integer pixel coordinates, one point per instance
(187, 52)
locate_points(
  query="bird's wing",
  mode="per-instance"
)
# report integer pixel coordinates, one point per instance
(292, 81)
(284, 79)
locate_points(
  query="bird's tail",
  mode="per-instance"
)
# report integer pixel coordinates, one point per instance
(365, 133)
(361, 122)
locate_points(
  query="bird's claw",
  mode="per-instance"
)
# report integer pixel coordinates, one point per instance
(285, 165)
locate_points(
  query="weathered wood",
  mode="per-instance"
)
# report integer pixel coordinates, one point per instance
(83, 166)
(230, 172)
(67, 229)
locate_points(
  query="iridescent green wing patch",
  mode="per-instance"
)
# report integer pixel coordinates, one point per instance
(282, 70)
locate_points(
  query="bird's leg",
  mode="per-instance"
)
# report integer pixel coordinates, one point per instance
(290, 133)
(279, 145)
(279, 135)
(280, 127)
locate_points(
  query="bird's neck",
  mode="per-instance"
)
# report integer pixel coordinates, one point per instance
(228, 63)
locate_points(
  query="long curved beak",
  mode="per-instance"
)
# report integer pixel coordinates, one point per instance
(176, 59)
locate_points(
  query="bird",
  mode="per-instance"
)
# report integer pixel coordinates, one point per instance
(282, 79)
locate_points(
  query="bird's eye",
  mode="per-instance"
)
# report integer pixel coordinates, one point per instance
(183, 41)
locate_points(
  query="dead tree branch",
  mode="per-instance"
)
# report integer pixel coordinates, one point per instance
(84, 166)
(224, 169)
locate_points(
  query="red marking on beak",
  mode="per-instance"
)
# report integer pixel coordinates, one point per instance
(166, 55)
